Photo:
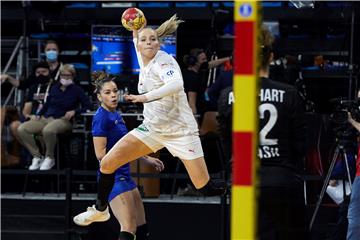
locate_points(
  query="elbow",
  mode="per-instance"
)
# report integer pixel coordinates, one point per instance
(178, 86)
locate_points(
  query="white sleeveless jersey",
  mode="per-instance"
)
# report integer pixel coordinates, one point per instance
(169, 115)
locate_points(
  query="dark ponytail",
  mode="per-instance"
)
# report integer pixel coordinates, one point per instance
(99, 79)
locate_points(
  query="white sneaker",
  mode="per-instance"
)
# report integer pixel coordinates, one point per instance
(36, 163)
(92, 215)
(47, 164)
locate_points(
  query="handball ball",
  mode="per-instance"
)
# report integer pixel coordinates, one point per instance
(133, 18)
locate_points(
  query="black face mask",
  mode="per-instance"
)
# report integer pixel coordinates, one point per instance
(42, 79)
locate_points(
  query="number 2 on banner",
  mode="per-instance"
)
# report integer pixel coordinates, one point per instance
(269, 125)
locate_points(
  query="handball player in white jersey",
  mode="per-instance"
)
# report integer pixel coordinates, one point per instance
(168, 121)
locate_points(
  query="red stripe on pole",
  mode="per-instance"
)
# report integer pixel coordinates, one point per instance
(244, 48)
(243, 158)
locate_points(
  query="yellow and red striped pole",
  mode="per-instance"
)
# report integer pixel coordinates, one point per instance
(243, 202)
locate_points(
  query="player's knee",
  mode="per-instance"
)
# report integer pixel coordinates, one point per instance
(214, 187)
(21, 129)
(107, 166)
(14, 126)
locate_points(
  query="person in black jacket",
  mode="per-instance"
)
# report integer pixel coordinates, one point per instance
(195, 76)
(281, 151)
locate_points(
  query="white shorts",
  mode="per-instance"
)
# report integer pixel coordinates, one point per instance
(184, 147)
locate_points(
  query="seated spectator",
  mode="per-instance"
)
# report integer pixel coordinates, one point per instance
(40, 83)
(55, 117)
(43, 72)
(38, 91)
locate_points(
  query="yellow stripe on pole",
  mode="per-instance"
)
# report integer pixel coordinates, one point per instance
(245, 10)
(243, 218)
(245, 106)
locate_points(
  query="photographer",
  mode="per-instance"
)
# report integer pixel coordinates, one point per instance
(354, 206)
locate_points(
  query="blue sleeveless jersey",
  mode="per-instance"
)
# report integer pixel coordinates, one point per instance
(111, 125)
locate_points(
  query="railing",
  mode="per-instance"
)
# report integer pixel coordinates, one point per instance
(16, 49)
(11, 59)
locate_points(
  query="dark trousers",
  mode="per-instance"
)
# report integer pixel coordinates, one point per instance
(282, 214)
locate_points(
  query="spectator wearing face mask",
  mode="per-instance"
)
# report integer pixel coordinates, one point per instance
(51, 51)
(60, 107)
(34, 100)
(38, 91)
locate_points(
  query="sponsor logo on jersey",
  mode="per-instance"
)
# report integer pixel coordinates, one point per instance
(142, 128)
(170, 73)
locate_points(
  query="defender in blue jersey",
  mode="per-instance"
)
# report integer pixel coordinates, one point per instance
(111, 126)
(107, 128)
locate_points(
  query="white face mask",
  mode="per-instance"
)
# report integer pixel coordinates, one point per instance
(66, 82)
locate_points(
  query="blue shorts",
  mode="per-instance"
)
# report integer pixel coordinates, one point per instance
(121, 185)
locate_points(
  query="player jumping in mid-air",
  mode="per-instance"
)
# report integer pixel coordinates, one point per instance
(168, 122)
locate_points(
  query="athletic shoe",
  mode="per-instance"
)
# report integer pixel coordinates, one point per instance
(215, 187)
(92, 215)
(188, 191)
(47, 164)
(36, 163)
(220, 186)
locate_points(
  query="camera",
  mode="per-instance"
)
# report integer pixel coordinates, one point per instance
(342, 107)
(339, 117)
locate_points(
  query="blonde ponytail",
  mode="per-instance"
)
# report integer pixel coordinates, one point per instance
(168, 27)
